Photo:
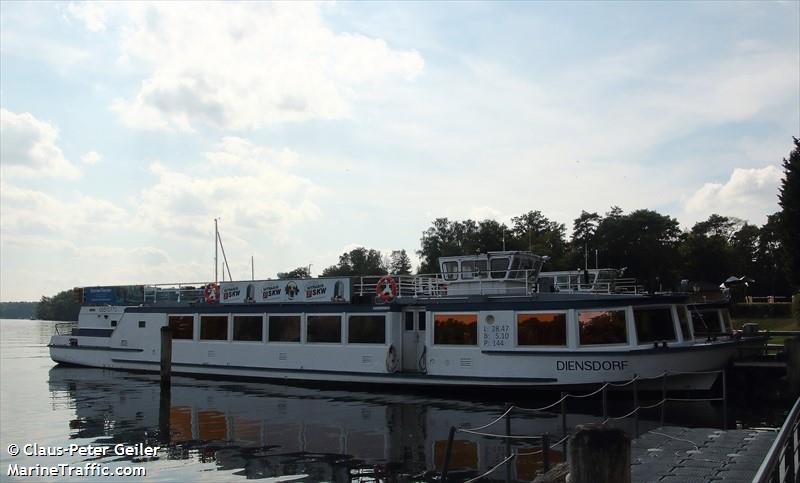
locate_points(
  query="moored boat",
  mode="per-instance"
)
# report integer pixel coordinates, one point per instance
(485, 320)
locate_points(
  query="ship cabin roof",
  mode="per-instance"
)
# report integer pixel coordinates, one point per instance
(501, 265)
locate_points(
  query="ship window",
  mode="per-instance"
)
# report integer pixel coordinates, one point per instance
(542, 329)
(284, 328)
(684, 322)
(467, 269)
(409, 320)
(421, 325)
(213, 327)
(182, 326)
(455, 329)
(367, 329)
(481, 267)
(324, 328)
(602, 327)
(113, 323)
(248, 327)
(499, 267)
(450, 270)
(705, 322)
(142, 324)
(654, 324)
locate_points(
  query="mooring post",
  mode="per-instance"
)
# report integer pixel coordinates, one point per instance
(605, 401)
(600, 454)
(792, 349)
(164, 404)
(165, 396)
(166, 357)
(636, 405)
(724, 399)
(508, 441)
(447, 450)
(546, 452)
(663, 397)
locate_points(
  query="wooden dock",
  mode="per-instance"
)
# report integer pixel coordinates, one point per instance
(687, 455)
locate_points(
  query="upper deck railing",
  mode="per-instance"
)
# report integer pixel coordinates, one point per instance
(501, 282)
(425, 286)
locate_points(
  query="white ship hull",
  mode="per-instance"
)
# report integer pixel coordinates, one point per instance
(134, 344)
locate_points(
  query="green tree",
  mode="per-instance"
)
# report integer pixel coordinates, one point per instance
(400, 263)
(789, 201)
(358, 261)
(707, 251)
(62, 306)
(535, 232)
(644, 241)
(771, 276)
(299, 272)
(584, 228)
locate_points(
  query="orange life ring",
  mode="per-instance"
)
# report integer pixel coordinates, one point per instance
(211, 293)
(386, 288)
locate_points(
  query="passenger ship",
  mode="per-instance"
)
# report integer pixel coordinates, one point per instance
(492, 319)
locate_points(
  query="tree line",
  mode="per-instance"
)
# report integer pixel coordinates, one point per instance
(650, 245)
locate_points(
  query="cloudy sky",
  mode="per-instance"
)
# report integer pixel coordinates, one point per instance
(308, 129)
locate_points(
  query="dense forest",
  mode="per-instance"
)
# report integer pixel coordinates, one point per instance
(17, 310)
(651, 246)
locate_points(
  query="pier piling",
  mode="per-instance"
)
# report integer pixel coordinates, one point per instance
(600, 454)
(166, 357)
(165, 397)
(792, 348)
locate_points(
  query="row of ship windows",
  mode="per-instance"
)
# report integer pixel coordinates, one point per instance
(361, 329)
(595, 327)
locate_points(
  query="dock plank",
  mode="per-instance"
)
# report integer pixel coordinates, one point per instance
(676, 454)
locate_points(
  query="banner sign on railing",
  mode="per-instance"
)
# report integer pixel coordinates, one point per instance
(286, 291)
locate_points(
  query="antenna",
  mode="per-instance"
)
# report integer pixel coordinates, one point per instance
(218, 243)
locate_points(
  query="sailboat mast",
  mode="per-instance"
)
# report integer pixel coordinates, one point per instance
(216, 254)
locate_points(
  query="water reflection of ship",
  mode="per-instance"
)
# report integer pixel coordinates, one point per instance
(266, 430)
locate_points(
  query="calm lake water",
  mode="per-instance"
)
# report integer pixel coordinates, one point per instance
(229, 431)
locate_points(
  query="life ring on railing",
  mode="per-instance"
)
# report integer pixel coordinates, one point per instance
(391, 359)
(386, 288)
(211, 293)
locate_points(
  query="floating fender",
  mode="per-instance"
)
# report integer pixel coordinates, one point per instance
(391, 359)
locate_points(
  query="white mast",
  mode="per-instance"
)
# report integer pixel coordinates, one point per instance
(216, 255)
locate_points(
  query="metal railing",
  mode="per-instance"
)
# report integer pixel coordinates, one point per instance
(782, 462)
(544, 439)
(65, 328)
(485, 282)
(173, 292)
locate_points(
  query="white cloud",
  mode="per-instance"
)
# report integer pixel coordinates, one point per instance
(91, 158)
(29, 148)
(750, 194)
(245, 185)
(249, 65)
(32, 216)
(93, 14)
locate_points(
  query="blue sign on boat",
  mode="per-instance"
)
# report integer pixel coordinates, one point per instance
(99, 295)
